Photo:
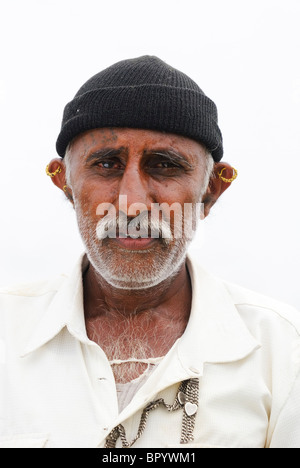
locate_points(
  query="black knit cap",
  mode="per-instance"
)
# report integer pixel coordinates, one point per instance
(144, 93)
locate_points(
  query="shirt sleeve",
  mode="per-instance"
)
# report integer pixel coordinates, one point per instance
(287, 430)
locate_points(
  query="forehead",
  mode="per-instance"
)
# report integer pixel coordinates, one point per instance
(135, 139)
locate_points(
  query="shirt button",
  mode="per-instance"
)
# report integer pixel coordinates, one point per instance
(195, 370)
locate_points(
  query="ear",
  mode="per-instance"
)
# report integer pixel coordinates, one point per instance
(59, 179)
(217, 185)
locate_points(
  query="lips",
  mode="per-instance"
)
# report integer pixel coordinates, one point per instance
(131, 243)
(133, 234)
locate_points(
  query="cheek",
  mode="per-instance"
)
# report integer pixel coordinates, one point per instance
(88, 196)
(185, 192)
(193, 192)
(181, 204)
(84, 204)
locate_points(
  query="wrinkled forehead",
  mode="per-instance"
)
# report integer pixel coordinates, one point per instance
(134, 139)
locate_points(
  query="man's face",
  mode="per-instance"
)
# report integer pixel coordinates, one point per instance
(129, 173)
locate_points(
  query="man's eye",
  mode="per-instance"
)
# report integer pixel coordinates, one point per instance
(110, 165)
(164, 168)
(161, 164)
(166, 165)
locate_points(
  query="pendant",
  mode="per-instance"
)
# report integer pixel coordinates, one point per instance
(189, 408)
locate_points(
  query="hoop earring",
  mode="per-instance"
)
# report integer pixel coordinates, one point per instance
(52, 174)
(228, 181)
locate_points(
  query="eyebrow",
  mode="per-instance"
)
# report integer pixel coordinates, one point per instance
(171, 155)
(105, 153)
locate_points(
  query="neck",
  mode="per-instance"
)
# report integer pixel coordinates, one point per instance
(100, 298)
(136, 324)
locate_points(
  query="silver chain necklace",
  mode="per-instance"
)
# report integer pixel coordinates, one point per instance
(186, 398)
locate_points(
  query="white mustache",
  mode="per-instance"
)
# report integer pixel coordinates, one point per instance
(140, 226)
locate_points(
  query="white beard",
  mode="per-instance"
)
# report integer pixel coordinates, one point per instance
(132, 269)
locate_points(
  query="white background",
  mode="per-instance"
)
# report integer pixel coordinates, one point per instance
(245, 55)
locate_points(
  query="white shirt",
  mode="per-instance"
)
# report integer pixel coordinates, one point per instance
(57, 388)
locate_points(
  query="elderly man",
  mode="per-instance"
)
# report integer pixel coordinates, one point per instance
(140, 347)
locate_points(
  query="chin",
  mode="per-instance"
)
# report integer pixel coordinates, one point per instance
(138, 272)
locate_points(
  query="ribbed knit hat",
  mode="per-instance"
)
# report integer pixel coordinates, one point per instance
(144, 93)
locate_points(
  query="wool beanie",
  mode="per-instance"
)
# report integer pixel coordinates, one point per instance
(144, 93)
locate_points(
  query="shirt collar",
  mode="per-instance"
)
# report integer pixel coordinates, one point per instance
(65, 309)
(215, 332)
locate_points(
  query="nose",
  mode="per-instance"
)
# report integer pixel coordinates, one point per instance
(134, 191)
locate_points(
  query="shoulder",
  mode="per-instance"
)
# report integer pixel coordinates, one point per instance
(258, 311)
(255, 306)
(26, 303)
(32, 289)
(47, 286)
(22, 306)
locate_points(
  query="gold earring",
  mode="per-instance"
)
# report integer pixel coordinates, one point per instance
(52, 174)
(68, 194)
(228, 181)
